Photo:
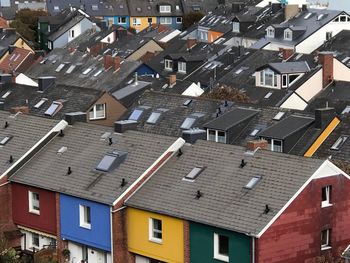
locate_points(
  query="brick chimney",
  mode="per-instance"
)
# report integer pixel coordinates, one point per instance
(172, 79)
(107, 61)
(286, 53)
(326, 60)
(22, 109)
(191, 42)
(290, 11)
(323, 117)
(255, 144)
(116, 63)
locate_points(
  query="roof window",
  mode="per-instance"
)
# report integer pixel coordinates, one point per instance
(60, 67)
(268, 95)
(155, 115)
(87, 71)
(6, 94)
(193, 174)
(98, 73)
(339, 143)
(111, 161)
(187, 102)
(40, 103)
(188, 123)
(70, 69)
(279, 116)
(254, 132)
(253, 182)
(308, 15)
(51, 111)
(346, 110)
(94, 7)
(136, 114)
(5, 140)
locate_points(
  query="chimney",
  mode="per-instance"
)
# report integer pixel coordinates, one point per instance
(124, 125)
(191, 42)
(286, 53)
(326, 60)
(290, 11)
(46, 82)
(275, 7)
(116, 63)
(22, 109)
(172, 79)
(108, 61)
(73, 117)
(192, 135)
(11, 48)
(255, 144)
(121, 32)
(237, 7)
(5, 78)
(323, 117)
(304, 7)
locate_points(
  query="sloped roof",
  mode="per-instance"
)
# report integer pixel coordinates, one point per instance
(13, 61)
(225, 203)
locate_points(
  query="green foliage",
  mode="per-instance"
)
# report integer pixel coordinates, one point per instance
(191, 18)
(7, 254)
(26, 23)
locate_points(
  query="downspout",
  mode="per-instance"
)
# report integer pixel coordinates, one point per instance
(253, 250)
(111, 230)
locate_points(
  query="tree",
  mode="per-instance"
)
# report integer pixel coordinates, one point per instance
(7, 254)
(191, 18)
(227, 93)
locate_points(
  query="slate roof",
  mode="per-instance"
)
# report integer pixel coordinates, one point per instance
(8, 36)
(141, 8)
(106, 80)
(290, 67)
(19, 61)
(85, 148)
(26, 131)
(224, 202)
(286, 127)
(73, 99)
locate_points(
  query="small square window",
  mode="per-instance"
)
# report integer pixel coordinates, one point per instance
(221, 247)
(179, 20)
(98, 112)
(155, 230)
(325, 239)
(34, 203)
(85, 216)
(326, 196)
(35, 240)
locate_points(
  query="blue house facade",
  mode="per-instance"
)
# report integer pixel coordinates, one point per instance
(170, 21)
(123, 21)
(86, 225)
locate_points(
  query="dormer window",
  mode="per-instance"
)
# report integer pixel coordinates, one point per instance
(270, 32)
(268, 78)
(235, 27)
(165, 9)
(168, 64)
(288, 34)
(181, 67)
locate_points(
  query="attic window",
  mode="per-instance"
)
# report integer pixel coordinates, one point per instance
(111, 161)
(253, 182)
(5, 140)
(60, 67)
(136, 114)
(6, 94)
(187, 102)
(94, 7)
(191, 176)
(188, 123)
(165, 9)
(51, 111)
(154, 117)
(254, 132)
(307, 16)
(268, 95)
(339, 143)
(346, 110)
(70, 69)
(279, 116)
(40, 103)
(87, 71)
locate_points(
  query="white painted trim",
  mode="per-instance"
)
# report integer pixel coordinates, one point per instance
(217, 255)
(173, 148)
(59, 126)
(36, 232)
(316, 175)
(151, 229)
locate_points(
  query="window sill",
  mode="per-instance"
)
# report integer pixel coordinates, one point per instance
(86, 226)
(222, 258)
(326, 205)
(155, 240)
(35, 212)
(326, 248)
(97, 119)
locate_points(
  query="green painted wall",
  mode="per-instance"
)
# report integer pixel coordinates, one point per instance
(202, 245)
(42, 32)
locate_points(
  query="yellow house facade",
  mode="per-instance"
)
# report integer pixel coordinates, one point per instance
(155, 236)
(140, 23)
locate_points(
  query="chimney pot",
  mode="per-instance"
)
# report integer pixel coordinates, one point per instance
(326, 60)
(191, 42)
(46, 82)
(286, 53)
(323, 117)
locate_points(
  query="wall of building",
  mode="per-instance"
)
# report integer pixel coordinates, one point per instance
(340, 71)
(172, 247)
(99, 236)
(144, 23)
(46, 220)
(93, 255)
(173, 23)
(295, 235)
(27, 240)
(115, 21)
(310, 88)
(294, 102)
(114, 110)
(202, 244)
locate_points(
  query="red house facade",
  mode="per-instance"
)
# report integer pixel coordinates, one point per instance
(316, 224)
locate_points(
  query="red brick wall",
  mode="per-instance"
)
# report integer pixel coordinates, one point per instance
(186, 241)
(6, 222)
(326, 59)
(295, 235)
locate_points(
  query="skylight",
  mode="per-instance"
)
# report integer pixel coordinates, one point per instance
(111, 161)
(5, 140)
(188, 123)
(346, 110)
(87, 71)
(187, 102)
(153, 118)
(254, 132)
(52, 109)
(70, 69)
(268, 95)
(94, 7)
(98, 73)
(345, 60)
(60, 67)
(136, 114)
(40, 103)
(307, 16)
(6, 94)
(193, 174)
(339, 143)
(279, 116)
(320, 16)
(253, 182)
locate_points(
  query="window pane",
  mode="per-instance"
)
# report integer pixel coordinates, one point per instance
(324, 194)
(223, 245)
(187, 124)
(268, 78)
(87, 214)
(35, 239)
(324, 237)
(221, 137)
(135, 115)
(100, 111)
(211, 135)
(91, 114)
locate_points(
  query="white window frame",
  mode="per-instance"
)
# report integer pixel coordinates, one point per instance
(203, 35)
(284, 77)
(235, 27)
(31, 205)
(32, 243)
(326, 202)
(179, 20)
(273, 145)
(263, 74)
(181, 67)
(94, 110)
(120, 20)
(217, 255)
(270, 32)
(327, 245)
(291, 83)
(167, 63)
(82, 220)
(288, 34)
(216, 135)
(164, 9)
(152, 230)
(49, 45)
(165, 20)
(136, 21)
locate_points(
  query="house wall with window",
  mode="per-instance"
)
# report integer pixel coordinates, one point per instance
(168, 248)
(95, 232)
(123, 21)
(113, 110)
(140, 23)
(213, 35)
(45, 219)
(202, 245)
(170, 21)
(296, 235)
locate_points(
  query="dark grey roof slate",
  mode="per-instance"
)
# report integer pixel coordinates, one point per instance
(290, 67)
(224, 202)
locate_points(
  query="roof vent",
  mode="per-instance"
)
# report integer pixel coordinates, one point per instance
(69, 170)
(123, 183)
(62, 150)
(6, 124)
(243, 163)
(253, 182)
(11, 159)
(267, 209)
(199, 194)
(61, 133)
